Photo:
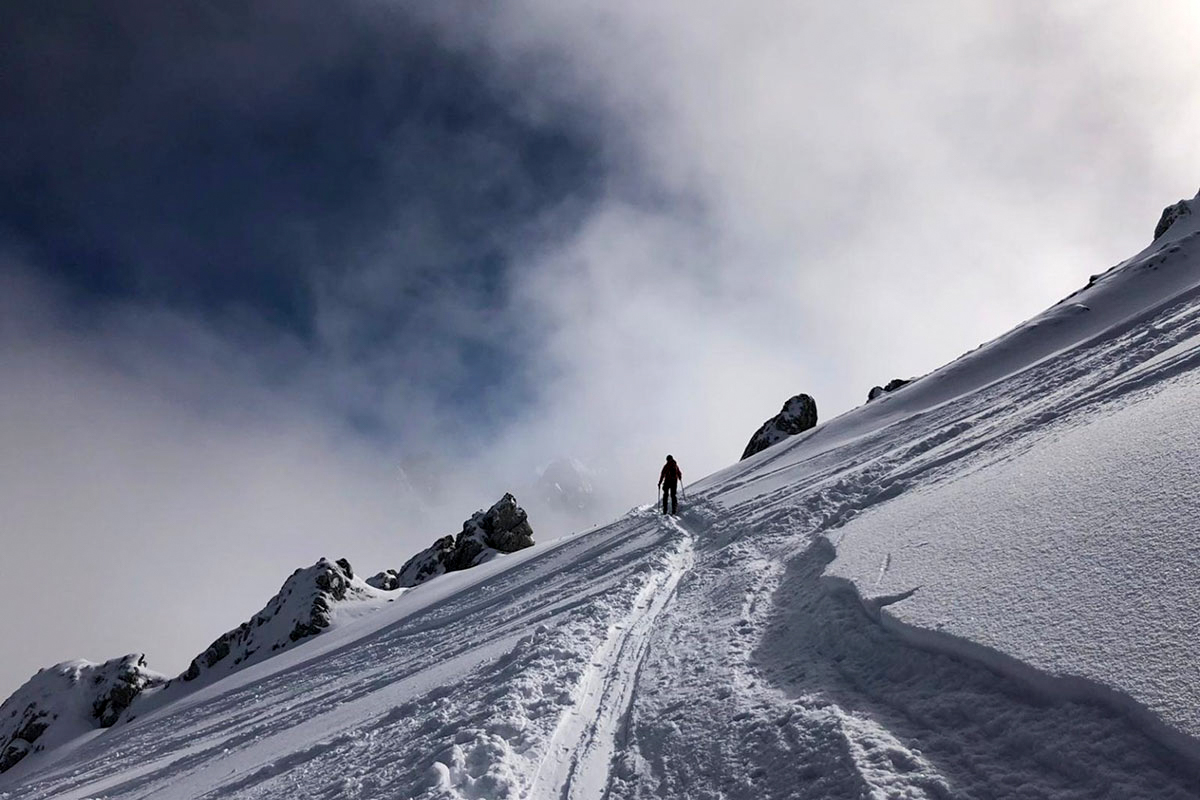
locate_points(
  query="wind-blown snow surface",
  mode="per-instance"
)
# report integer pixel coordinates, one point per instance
(981, 585)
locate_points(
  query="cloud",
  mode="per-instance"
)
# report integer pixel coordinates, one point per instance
(868, 192)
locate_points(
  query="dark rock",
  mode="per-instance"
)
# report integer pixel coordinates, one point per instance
(130, 680)
(503, 528)
(1170, 215)
(892, 385)
(14, 751)
(386, 581)
(798, 415)
(429, 563)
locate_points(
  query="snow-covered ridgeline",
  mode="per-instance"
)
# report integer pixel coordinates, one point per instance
(63, 702)
(303, 607)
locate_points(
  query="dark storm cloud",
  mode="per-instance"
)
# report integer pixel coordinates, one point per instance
(289, 160)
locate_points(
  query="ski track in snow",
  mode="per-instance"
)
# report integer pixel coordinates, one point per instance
(576, 765)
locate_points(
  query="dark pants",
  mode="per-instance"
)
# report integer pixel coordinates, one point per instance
(669, 491)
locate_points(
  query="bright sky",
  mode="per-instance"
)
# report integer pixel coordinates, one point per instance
(255, 263)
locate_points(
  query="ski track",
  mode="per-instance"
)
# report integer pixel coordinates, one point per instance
(578, 758)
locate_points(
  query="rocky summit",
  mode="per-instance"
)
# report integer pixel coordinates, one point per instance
(503, 528)
(63, 701)
(302, 608)
(1172, 214)
(799, 414)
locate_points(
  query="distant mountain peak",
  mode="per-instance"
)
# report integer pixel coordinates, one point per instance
(567, 484)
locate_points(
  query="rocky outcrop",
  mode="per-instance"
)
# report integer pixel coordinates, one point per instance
(387, 581)
(68, 699)
(1172, 214)
(798, 415)
(503, 528)
(302, 608)
(435, 560)
(891, 386)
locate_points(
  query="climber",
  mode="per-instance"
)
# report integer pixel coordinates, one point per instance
(668, 479)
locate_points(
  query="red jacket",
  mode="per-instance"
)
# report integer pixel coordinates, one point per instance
(671, 473)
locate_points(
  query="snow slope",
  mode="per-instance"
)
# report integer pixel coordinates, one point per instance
(981, 585)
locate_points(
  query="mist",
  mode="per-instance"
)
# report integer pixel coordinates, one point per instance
(281, 283)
